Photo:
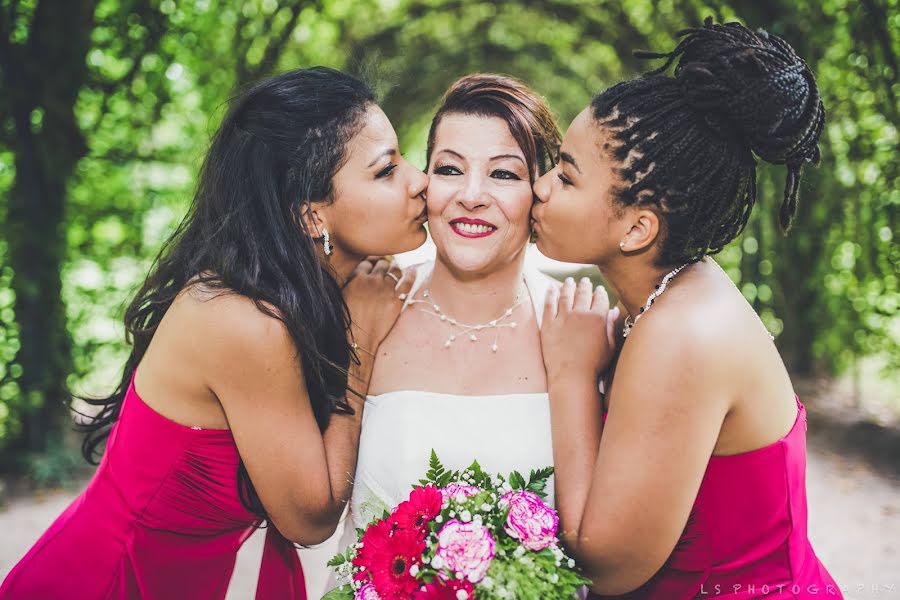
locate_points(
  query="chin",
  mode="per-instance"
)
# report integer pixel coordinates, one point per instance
(545, 250)
(410, 242)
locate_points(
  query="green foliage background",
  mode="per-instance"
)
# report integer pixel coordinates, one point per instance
(142, 85)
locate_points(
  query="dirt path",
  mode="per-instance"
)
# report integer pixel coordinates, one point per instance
(854, 526)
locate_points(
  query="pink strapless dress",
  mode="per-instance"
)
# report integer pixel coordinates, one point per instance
(160, 520)
(746, 534)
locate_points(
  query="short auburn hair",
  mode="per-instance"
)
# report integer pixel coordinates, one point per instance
(526, 113)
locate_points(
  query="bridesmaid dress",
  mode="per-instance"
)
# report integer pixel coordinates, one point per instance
(746, 535)
(161, 519)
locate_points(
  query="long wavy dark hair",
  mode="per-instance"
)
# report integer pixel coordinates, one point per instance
(278, 148)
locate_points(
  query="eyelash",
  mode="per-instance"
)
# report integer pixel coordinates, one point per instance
(506, 175)
(444, 170)
(564, 179)
(386, 172)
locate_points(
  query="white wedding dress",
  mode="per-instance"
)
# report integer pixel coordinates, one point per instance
(504, 433)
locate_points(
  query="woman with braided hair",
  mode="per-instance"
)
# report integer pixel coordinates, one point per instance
(694, 486)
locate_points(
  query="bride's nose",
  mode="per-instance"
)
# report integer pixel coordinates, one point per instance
(474, 195)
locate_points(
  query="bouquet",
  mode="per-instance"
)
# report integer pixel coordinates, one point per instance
(461, 535)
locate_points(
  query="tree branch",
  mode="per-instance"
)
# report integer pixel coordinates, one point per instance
(241, 46)
(276, 45)
(877, 21)
(156, 29)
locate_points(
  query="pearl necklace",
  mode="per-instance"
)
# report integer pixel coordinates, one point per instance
(466, 329)
(629, 322)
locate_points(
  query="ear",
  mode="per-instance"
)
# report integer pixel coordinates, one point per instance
(314, 217)
(645, 228)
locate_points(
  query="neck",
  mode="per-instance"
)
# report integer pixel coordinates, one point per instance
(475, 298)
(633, 283)
(340, 264)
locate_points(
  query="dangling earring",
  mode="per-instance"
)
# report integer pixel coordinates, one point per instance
(326, 242)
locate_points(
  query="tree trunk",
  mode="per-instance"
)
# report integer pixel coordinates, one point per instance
(42, 79)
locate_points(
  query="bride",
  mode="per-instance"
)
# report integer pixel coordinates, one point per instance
(461, 371)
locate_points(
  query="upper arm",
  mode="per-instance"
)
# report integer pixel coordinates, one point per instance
(255, 373)
(666, 412)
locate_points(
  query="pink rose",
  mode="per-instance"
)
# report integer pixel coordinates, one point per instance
(366, 592)
(530, 520)
(455, 490)
(465, 548)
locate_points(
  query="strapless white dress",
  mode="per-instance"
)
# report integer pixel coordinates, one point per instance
(504, 433)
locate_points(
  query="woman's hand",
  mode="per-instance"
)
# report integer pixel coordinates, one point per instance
(375, 295)
(577, 334)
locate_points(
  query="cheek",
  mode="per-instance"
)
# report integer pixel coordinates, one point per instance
(516, 207)
(438, 195)
(370, 207)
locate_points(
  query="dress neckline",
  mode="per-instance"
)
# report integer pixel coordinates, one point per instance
(377, 397)
(147, 409)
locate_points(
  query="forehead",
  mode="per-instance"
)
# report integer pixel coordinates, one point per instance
(581, 138)
(475, 136)
(375, 135)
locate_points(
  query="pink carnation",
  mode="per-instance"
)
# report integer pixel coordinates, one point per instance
(455, 490)
(466, 548)
(366, 592)
(531, 521)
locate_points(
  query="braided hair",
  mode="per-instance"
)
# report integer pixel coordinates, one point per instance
(686, 144)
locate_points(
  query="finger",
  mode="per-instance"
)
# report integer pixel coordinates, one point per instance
(364, 268)
(381, 267)
(551, 303)
(611, 318)
(567, 295)
(395, 273)
(583, 294)
(600, 301)
(375, 258)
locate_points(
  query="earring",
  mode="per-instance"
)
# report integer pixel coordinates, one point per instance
(326, 241)
(622, 245)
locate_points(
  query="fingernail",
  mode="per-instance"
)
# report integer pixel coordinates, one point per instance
(570, 280)
(585, 280)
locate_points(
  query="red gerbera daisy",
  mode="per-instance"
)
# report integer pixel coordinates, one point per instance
(387, 555)
(423, 505)
(444, 590)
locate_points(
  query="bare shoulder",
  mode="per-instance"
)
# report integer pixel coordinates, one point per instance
(232, 325)
(699, 322)
(683, 354)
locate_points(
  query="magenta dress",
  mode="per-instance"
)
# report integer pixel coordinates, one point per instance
(160, 520)
(746, 534)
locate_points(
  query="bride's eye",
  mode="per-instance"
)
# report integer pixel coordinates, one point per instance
(446, 170)
(504, 174)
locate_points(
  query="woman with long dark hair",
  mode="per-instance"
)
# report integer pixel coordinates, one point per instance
(252, 344)
(695, 485)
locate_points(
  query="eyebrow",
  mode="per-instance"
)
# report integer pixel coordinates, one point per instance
(498, 157)
(566, 157)
(388, 152)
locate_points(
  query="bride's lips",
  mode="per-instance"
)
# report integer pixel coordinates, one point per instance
(423, 216)
(472, 228)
